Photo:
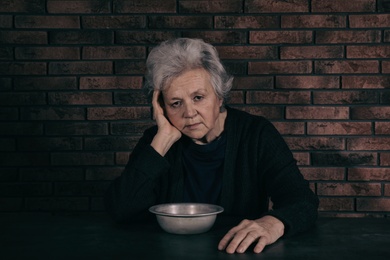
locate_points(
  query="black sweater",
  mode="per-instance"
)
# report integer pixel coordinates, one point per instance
(258, 166)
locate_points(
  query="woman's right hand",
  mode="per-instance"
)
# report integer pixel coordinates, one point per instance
(167, 134)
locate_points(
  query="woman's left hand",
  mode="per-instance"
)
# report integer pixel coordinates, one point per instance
(263, 231)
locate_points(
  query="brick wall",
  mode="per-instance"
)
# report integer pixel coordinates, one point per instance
(72, 109)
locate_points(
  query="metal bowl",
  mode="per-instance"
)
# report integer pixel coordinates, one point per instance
(186, 218)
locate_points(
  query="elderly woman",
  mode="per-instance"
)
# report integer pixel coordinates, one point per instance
(203, 151)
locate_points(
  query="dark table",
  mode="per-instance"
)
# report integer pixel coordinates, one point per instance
(30, 236)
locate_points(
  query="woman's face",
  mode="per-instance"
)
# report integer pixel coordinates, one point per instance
(193, 107)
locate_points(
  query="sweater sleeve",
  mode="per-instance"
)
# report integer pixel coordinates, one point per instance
(294, 203)
(130, 195)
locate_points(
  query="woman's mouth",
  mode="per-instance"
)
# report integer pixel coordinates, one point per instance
(193, 126)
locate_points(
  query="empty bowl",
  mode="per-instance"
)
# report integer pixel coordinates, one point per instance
(186, 218)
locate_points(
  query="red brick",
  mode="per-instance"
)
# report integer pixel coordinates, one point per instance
(382, 128)
(307, 82)
(343, 159)
(145, 6)
(336, 204)
(366, 143)
(346, 66)
(130, 67)
(7, 144)
(334, 6)
(130, 128)
(81, 188)
(24, 159)
(323, 174)
(82, 37)
(21, 128)
(45, 83)
(385, 66)
(82, 158)
(311, 52)
(23, 37)
(51, 174)
(23, 6)
(369, 174)
(111, 82)
(8, 113)
(114, 52)
(218, 37)
(205, 6)
(81, 6)
(47, 53)
(271, 6)
(349, 215)
(79, 128)
(22, 68)
(314, 143)
(236, 67)
(52, 113)
(303, 159)
(314, 112)
(373, 204)
(11, 204)
(101, 174)
(387, 190)
(97, 204)
(278, 97)
(6, 53)
(279, 37)
(280, 67)
(335, 37)
(81, 67)
(110, 143)
(269, 112)
(114, 22)
(370, 113)
(247, 52)
(369, 21)
(118, 113)
(339, 128)
(34, 21)
(313, 21)
(246, 22)
(80, 98)
(57, 204)
(385, 159)
(290, 128)
(253, 83)
(180, 22)
(6, 21)
(49, 143)
(22, 99)
(236, 97)
(349, 189)
(369, 82)
(121, 158)
(345, 97)
(28, 189)
(368, 52)
(5, 84)
(144, 37)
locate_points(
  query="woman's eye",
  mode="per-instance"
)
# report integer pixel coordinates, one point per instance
(197, 98)
(175, 104)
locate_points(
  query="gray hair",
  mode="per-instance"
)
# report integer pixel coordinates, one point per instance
(173, 57)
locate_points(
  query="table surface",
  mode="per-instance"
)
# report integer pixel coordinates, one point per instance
(27, 236)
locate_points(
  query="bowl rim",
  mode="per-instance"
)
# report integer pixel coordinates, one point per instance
(218, 209)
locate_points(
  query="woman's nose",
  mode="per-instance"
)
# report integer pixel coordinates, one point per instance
(189, 110)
